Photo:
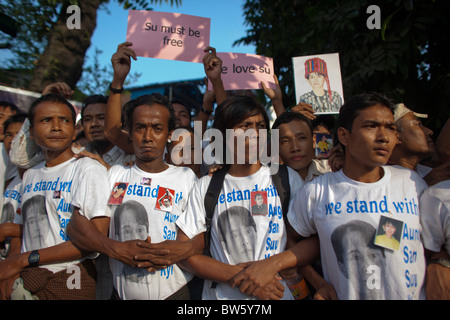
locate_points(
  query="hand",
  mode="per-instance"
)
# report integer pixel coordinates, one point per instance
(59, 88)
(326, 292)
(212, 64)
(275, 95)
(305, 109)
(121, 63)
(255, 275)
(85, 153)
(12, 266)
(162, 254)
(213, 168)
(273, 291)
(6, 287)
(127, 251)
(336, 158)
(437, 286)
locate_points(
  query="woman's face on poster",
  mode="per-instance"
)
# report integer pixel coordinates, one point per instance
(316, 80)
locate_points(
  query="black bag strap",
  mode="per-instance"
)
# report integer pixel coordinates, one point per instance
(281, 181)
(211, 197)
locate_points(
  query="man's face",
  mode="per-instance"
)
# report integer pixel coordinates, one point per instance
(150, 131)
(5, 113)
(259, 199)
(296, 144)
(94, 121)
(249, 129)
(181, 115)
(415, 138)
(53, 128)
(372, 139)
(10, 133)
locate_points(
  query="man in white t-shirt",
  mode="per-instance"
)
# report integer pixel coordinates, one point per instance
(435, 218)
(139, 218)
(237, 234)
(51, 192)
(344, 209)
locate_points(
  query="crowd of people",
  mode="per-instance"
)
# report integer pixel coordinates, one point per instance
(105, 212)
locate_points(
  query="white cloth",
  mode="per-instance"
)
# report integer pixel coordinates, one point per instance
(255, 239)
(435, 216)
(317, 168)
(12, 198)
(362, 270)
(142, 195)
(56, 191)
(422, 170)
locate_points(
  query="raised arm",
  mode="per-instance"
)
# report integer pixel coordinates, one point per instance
(213, 70)
(121, 62)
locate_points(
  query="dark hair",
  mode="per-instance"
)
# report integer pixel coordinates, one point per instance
(50, 98)
(148, 99)
(350, 110)
(96, 98)
(173, 101)
(326, 120)
(234, 110)
(17, 118)
(10, 105)
(289, 116)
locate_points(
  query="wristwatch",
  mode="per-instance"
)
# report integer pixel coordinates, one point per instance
(442, 261)
(33, 258)
(113, 90)
(208, 112)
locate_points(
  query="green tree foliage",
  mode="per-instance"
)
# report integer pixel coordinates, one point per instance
(44, 48)
(406, 59)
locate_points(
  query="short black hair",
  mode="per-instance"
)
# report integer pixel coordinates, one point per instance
(96, 98)
(350, 110)
(10, 105)
(148, 99)
(50, 98)
(289, 116)
(17, 118)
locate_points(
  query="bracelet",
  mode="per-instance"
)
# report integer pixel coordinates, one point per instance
(113, 90)
(208, 112)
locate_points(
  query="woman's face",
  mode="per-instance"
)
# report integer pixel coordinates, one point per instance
(130, 229)
(316, 80)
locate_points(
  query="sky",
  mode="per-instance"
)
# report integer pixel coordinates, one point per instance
(227, 26)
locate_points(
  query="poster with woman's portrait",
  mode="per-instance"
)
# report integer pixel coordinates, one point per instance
(318, 82)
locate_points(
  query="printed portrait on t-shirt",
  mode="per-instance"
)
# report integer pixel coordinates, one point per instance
(7, 213)
(259, 202)
(237, 234)
(358, 257)
(388, 233)
(117, 193)
(165, 199)
(131, 223)
(36, 225)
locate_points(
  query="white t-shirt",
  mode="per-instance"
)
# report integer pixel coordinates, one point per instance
(49, 196)
(435, 216)
(237, 235)
(12, 197)
(141, 200)
(346, 215)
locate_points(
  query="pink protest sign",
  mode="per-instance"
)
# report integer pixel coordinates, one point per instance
(165, 35)
(241, 71)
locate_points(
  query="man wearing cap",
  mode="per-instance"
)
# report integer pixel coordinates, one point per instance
(415, 144)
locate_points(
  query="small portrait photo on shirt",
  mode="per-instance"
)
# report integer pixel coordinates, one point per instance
(389, 233)
(259, 202)
(318, 82)
(57, 194)
(117, 193)
(146, 181)
(323, 145)
(165, 199)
